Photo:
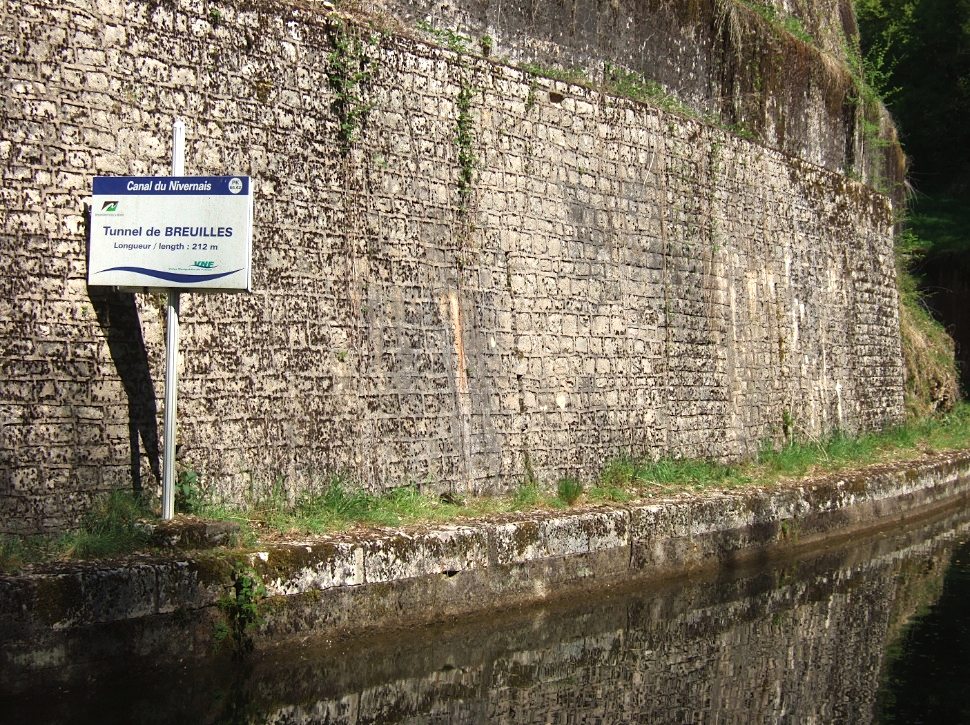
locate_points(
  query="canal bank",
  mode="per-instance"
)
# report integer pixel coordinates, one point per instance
(216, 603)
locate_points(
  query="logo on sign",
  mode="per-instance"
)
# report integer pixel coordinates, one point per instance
(109, 206)
(235, 186)
(206, 264)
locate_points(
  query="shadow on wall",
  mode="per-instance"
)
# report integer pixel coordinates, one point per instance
(118, 318)
(119, 321)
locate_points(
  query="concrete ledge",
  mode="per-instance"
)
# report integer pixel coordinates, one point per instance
(367, 581)
(191, 533)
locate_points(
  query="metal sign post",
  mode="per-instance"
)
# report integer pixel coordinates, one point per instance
(171, 353)
(169, 233)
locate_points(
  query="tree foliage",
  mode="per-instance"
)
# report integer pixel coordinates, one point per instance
(921, 50)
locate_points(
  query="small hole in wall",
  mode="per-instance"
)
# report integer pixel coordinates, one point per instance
(556, 97)
(450, 572)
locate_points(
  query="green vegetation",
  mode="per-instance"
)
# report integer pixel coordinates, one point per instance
(451, 39)
(340, 506)
(464, 140)
(786, 23)
(352, 65)
(872, 86)
(487, 45)
(931, 383)
(625, 83)
(793, 460)
(694, 474)
(242, 611)
(629, 84)
(942, 218)
(465, 122)
(558, 73)
(526, 496)
(110, 528)
(922, 48)
(188, 495)
(616, 81)
(917, 54)
(568, 490)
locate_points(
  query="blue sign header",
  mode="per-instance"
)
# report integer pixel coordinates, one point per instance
(171, 185)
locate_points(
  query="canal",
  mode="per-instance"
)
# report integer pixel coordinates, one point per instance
(875, 629)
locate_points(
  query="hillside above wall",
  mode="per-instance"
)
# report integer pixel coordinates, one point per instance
(786, 73)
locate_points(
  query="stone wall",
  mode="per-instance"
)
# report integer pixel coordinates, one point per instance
(497, 275)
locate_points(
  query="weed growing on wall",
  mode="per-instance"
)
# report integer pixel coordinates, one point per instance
(742, 130)
(558, 73)
(526, 495)
(629, 84)
(530, 99)
(352, 66)
(465, 122)
(464, 140)
(616, 81)
(871, 86)
(780, 21)
(241, 608)
(450, 39)
(625, 83)
(188, 495)
(870, 73)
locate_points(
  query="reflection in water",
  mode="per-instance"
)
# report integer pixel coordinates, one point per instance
(800, 640)
(927, 668)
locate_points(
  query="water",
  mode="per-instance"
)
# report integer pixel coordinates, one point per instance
(927, 667)
(874, 630)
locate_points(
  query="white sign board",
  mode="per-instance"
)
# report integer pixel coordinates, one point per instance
(172, 232)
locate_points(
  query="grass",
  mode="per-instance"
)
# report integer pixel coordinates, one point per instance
(111, 529)
(558, 73)
(568, 490)
(340, 506)
(623, 83)
(453, 40)
(618, 82)
(786, 23)
(629, 84)
(623, 479)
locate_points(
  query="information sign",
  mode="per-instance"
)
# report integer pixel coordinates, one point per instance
(172, 232)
